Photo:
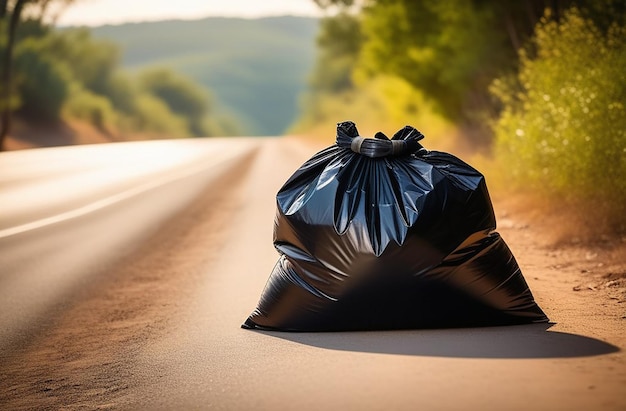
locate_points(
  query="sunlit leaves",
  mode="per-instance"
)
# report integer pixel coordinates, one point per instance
(563, 126)
(450, 50)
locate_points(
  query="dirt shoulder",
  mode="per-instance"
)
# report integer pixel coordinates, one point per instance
(557, 251)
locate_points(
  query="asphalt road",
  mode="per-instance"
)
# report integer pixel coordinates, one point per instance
(127, 269)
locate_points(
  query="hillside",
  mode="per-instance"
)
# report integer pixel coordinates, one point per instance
(255, 68)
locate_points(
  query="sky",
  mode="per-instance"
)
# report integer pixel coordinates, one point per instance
(99, 12)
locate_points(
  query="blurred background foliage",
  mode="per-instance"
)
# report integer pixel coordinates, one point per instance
(65, 75)
(535, 89)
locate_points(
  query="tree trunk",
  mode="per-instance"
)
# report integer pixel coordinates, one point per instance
(7, 61)
(3, 8)
(512, 32)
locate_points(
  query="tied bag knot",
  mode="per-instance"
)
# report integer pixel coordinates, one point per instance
(404, 142)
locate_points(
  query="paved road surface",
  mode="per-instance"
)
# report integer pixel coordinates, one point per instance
(127, 269)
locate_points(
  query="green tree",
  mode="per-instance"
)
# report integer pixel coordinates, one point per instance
(37, 71)
(338, 43)
(92, 62)
(99, 85)
(10, 18)
(450, 50)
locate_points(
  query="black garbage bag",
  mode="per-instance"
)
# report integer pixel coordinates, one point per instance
(381, 234)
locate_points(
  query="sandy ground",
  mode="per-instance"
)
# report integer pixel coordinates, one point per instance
(162, 330)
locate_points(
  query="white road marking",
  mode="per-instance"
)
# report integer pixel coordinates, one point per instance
(108, 201)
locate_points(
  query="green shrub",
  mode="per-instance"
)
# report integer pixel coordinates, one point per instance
(93, 108)
(92, 62)
(563, 124)
(122, 91)
(42, 83)
(181, 95)
(154, 116)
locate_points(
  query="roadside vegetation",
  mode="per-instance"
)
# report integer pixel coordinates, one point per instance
(562, 127)
(67, 75)
(255, 68)
(534, 89)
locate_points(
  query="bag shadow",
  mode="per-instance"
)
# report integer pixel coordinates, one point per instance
(516, 341)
